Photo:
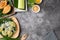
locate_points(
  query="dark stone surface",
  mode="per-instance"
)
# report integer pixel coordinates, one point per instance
(50, 36)
(38, 25)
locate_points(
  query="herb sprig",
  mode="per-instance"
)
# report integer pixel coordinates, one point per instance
(8, 38)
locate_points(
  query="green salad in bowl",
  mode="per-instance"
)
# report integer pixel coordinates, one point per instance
(9, 28)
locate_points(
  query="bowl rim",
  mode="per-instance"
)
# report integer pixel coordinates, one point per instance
(37, 10)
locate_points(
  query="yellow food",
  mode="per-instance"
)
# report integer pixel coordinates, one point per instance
(3, 25)
(8, 28)
(9, 33)
(12, 24)
(3, 4)
(1, 29)
(6, 9)
(36, 8)
(38, 1)
(4, 33)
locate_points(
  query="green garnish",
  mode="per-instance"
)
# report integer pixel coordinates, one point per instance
(2, 20)
(1, 14)
(8, 38)
(31, 3)
(9, 2)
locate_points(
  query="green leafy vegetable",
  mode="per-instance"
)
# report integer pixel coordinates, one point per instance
(2, 20)
(31, 3)
(1, 14)
(8, 38)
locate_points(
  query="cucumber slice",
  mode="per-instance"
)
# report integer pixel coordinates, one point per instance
(21, 4)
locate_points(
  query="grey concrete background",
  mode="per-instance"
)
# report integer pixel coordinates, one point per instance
(38, 25)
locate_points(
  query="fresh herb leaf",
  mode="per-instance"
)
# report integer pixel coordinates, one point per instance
(9, 2)
(31, 3)
(1, 13)
(8, 38)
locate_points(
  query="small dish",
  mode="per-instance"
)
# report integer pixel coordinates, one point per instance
(36, 8)
(38, 1)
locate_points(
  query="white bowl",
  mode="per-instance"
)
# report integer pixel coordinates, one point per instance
(37, 10)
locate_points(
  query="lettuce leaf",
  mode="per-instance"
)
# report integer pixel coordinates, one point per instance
(8, 38)
(31, 3)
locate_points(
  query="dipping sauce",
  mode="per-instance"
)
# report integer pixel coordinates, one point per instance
(38, 1)
(36, 8)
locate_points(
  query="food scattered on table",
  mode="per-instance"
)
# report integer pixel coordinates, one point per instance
(24, 36)
(36, 8)
(9, 27)
(38, 1)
